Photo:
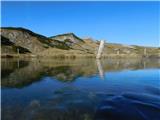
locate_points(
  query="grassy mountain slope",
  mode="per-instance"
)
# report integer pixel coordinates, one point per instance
(29, 40)
(65, 45)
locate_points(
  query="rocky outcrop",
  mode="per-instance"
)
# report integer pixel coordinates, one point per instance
(68, 38)
(24, 41)
(9, 47)
(27, 40)
(24, 38)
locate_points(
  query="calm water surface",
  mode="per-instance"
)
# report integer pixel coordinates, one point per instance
(80, 89)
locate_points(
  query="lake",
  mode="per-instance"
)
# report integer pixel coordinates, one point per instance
(80, 89)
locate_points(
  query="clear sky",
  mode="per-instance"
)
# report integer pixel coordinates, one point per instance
(117, 22)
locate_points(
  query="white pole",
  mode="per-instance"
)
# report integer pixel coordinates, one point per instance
(100, 50)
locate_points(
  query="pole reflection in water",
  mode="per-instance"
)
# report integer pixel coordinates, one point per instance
(100, 69)
(144, 64)
(17, 63)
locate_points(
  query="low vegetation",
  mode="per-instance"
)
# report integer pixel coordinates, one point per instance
(20, 42)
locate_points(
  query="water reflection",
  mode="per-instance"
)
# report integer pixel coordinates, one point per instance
(100, 69)
(80, 89)
(19, 73)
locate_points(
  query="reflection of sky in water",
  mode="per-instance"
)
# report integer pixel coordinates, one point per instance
(91, 95)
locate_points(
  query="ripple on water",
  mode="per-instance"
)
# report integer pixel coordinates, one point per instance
(153, 90)
(129, 106)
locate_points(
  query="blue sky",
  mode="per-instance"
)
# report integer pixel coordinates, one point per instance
(117, 22)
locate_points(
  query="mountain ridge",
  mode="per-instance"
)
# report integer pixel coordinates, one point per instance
(28, 43)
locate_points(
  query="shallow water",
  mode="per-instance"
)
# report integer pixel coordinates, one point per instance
(80, 89)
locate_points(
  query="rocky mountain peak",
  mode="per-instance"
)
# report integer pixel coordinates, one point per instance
(68, 38)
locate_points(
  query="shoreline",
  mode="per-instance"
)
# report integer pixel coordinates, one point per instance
(74, 56)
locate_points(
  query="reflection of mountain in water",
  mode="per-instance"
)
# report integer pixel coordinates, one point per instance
(19, 73)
